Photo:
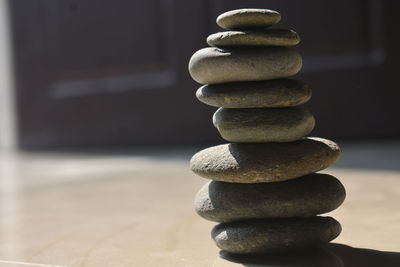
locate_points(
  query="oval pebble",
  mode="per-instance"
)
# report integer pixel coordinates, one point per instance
(269, 37)
(263, 125)
(248, 18)
(223, 65)
(268, 162)
(309, 195)
(263, 94)
(271, 235)
(316, 256)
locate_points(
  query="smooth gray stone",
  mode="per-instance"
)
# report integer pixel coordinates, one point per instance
(315, 256)
(268, 37)
(271, 235)
(263, 94)
(248, 18)
(261, 125)
(309, 195)
(267, 162)
(222, 65)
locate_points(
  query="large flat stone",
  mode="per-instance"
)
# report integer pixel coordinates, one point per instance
(316, 256)
(271, 235)
(217, 65)
(260, 125)
(268, 162)
(309, 195)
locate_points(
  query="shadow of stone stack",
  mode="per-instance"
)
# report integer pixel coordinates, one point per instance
(264, 190)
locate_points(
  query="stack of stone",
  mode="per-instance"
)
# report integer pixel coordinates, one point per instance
(264, 190)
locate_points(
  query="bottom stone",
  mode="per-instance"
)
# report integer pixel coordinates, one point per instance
(318, 256)
(269, 235)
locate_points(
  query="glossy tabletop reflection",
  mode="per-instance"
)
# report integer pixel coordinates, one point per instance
(136, 209)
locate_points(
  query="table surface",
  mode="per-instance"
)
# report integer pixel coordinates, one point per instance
(125, 209)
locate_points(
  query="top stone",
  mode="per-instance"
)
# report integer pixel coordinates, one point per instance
(248, 18)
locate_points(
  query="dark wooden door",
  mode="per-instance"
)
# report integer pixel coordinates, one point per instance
(102, 73)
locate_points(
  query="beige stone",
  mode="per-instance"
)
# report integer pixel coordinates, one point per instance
(217, 65)
(271, 235)
(268, 162)
(309, 195)
(248, 18)
(263, 125)
(268, 37)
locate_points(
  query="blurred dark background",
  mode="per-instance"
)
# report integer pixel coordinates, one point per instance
(98, 73)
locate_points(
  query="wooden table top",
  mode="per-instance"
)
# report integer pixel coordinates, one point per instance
(89, 210)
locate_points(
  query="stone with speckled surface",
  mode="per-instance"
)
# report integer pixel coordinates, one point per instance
(268, 162)
(222, 65)
(263, 125)
(277, 93)
(268, 37)
(270, 235)
(309, 195)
